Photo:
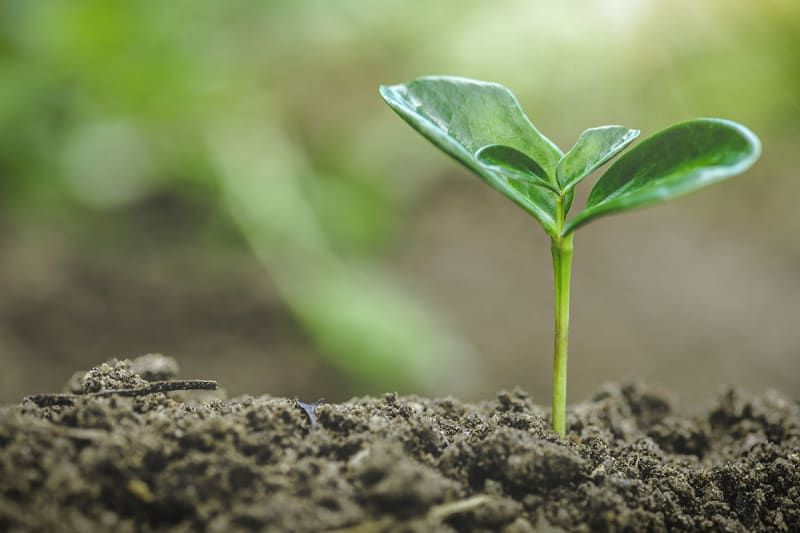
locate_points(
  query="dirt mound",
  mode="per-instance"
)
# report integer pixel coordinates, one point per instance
(97, 459)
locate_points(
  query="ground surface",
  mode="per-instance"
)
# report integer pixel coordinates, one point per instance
(195, 461)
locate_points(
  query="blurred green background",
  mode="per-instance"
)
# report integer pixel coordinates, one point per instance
(220, 182)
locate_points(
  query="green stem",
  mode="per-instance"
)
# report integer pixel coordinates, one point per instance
(561, 249)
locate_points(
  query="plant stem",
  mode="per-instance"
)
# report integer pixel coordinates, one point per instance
(561, 249)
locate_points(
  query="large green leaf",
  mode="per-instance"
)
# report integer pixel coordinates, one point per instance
(595, 146)
(675, 161)
(460, 116)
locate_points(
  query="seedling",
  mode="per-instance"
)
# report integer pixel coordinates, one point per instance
(482, 126)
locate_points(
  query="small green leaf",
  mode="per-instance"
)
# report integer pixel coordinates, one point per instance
(594, 147)
(460, 116)
(513, 164)
(673, 162)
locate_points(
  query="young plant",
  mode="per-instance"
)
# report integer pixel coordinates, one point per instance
(482, 126)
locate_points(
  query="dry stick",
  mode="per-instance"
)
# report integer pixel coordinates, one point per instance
(47, 400)
(89, 434)
(439, 513)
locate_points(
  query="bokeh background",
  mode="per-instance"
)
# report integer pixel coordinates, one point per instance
(220, 182)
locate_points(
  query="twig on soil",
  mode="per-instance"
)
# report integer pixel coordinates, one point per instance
(48, 400)
(439, 513)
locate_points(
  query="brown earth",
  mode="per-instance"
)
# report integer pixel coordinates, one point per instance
(92, 460)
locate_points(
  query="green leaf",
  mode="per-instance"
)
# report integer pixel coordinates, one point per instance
(460, 116)
(595, 146)
(675, 161)
(513, 164)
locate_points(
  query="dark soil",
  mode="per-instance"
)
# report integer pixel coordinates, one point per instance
(94, 460)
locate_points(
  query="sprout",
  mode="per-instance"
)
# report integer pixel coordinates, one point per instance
(482, 126)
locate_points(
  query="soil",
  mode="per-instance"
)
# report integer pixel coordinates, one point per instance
(112, 453)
